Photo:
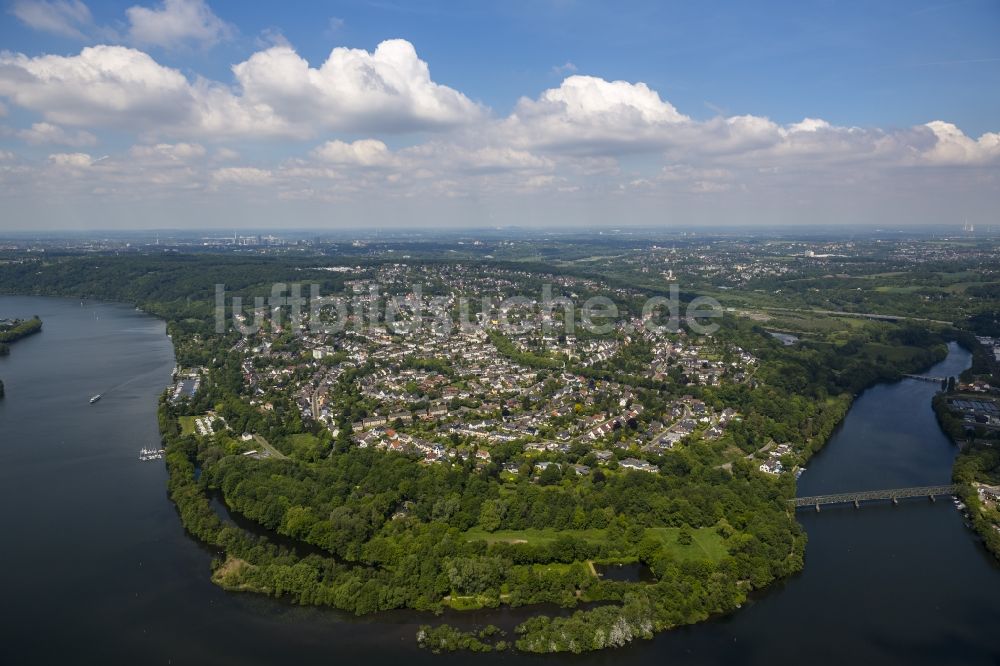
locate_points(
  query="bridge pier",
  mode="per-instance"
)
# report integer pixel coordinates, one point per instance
(857, 504)
(895, 501)
(817, 507)
(933, 499)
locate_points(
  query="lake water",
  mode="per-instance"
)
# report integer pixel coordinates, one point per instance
(632, 572)
(95, 567)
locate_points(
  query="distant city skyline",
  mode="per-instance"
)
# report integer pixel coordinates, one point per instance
(183, 114)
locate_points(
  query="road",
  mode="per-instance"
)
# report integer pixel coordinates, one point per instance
(264, 444)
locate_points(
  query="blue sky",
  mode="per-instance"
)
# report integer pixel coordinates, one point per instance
(859, 63)
(874, 73)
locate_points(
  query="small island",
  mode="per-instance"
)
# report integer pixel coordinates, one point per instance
(12, 330)
(15, 329)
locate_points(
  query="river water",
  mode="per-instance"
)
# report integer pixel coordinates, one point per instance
(95, 568)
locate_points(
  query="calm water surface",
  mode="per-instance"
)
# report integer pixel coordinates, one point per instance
(95, 567)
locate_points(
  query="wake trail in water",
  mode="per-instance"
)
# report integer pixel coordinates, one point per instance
(122, 385)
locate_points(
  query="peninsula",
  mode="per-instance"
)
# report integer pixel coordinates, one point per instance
(463, 433)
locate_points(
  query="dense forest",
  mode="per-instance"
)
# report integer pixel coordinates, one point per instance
(369, 558)
(11, 333)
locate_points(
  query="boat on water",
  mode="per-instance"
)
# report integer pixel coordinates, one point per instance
(95, 398)
(150, 454)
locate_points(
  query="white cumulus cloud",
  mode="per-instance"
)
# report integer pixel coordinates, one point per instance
(809, 125)
(952, 146)
(242, 176)
(465, 158)
(40, 133)
(168, 152)
(104, 85)
(590, 114)
(176, 22)
(353, 90)
(225, 155)
(63, 17)
(71, 160)
(363, 152)
(581, 141)
(389, 90)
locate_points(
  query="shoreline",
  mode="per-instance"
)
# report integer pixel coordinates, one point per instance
(987, 531)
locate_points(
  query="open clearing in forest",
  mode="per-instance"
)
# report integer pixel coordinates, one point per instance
(705, 543)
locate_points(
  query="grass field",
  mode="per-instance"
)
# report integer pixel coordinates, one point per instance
(706, 542)
(303, 439)
(559, 567)
(815, 323)
(187, 425)
(543, 536)
(893, 289)
(961, 287)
